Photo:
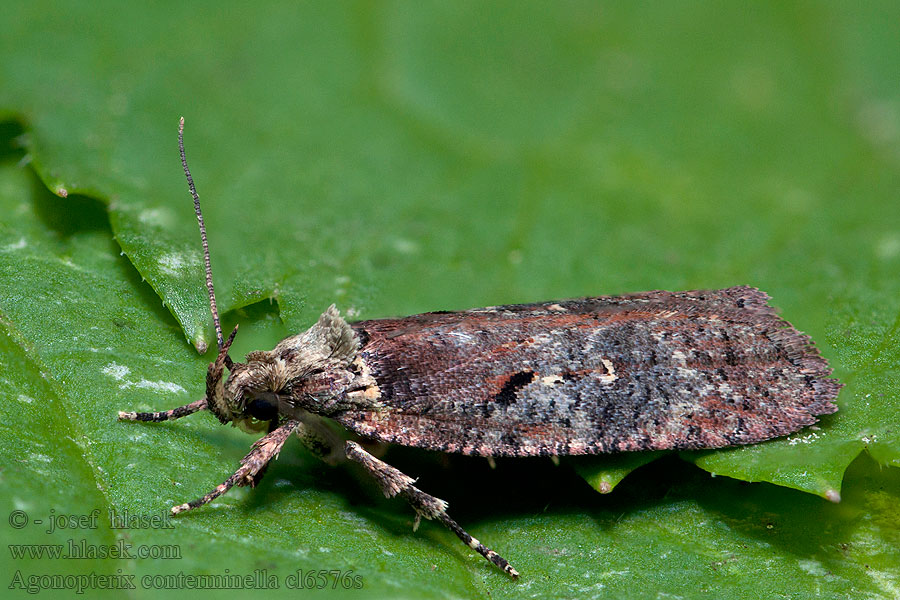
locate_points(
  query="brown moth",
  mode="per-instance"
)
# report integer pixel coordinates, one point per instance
(648, 371)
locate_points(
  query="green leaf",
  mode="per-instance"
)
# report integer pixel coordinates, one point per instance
(603, 473)
(397, 159)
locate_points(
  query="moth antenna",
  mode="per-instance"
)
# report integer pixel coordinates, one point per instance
(209, 279)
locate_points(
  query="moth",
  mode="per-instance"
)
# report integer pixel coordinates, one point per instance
(647, 371)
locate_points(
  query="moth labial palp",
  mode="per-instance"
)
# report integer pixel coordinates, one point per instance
(648, 371)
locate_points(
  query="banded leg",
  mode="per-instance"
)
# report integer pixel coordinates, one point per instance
(393, 482)
(214, 392)
(166, 415)
(263, 450)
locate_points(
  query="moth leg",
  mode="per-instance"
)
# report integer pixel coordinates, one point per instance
(166, 415)
(263, 450)
(214, 392)
(316, 437)
(255, 478)
(393, 482)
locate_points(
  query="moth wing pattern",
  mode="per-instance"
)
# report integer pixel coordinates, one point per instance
(648, 371)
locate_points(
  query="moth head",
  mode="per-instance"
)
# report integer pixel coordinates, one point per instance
(302, 373)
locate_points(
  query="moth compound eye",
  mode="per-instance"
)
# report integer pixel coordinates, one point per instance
(263, 407)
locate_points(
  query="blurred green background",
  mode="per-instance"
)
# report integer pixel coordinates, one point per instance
(396, 158)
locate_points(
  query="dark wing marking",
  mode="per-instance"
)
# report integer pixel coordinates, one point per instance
(656, 370)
